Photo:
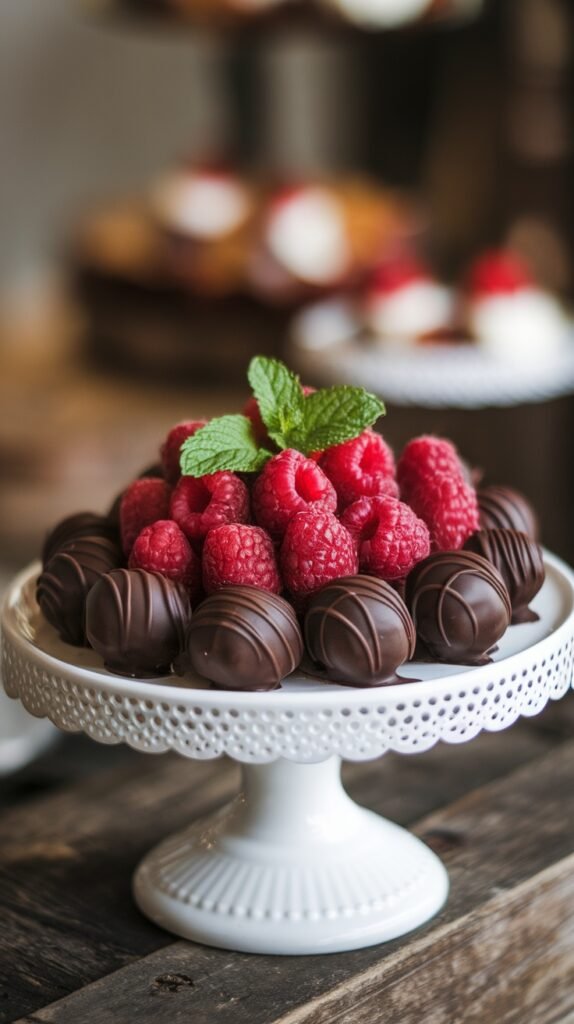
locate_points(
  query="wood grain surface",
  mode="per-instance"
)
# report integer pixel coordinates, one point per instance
(499, 811)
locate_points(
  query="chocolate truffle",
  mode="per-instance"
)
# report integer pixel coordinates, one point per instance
(459, 604)
(502, 508)
(358, 631)
(136, 621)
(67, 579)
(244, 638)
(81, 524)
(519, 562)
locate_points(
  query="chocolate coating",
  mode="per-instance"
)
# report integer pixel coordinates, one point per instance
(358, 631)
(244, 638)
(459, 604)
(519, 562)
(137, 620)
(67, 579)
(503, 508)
(81, 524)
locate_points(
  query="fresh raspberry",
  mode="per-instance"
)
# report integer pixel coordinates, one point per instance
(239, 554)
(498, 271)
(362, 467)
(449, 507)
(316, 548)
(144, 501)
(198, 504)
(390, 537)
(395, 274)
(162, 547)
(424, 457)
(171, 447)
(290, 483)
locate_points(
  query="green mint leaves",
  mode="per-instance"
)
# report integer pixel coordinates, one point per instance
(224, 443)
(309, 424)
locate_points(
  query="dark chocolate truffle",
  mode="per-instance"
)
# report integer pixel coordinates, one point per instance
(81, 524)
(519, 562)
(459, 604)
(358, 631)
(136, 621)
(245, 638)
(67, 579)
(502, 508)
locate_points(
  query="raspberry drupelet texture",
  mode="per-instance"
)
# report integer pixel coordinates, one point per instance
(316, 548)
(143, 502)
(449, 507)
(391, 538)
(362, 467)
(422, 458)
(290, 483)
(238, 554)
(162, 547)
(199, 504)
(171, 448)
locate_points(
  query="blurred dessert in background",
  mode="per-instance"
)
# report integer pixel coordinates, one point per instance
(499, 308)
(206, 269)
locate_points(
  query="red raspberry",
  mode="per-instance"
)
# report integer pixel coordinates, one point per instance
(238, 554)
(171, 447)
(198, 504)
(449, 507)
(499, 271)
(287, 484)
(390, 537)
(362, 467)
(424, 457)
(143, 502)
(316, 548)
(162, 547)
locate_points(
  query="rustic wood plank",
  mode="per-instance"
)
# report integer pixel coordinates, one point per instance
(66, 860)
(502, 950)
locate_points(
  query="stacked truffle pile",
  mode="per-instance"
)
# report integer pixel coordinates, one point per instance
(289, 536)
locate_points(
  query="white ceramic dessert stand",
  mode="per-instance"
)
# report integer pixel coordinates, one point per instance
(292, 864)
(433, 376)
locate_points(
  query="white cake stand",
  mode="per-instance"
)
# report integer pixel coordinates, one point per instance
(292, 864)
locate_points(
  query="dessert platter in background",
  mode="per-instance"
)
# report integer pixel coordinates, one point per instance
(204, 271)
(370, 15)
(499, 339)
(278, 589)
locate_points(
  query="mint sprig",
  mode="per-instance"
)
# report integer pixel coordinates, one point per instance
(279, 397)
(226, 442)
(327, 417)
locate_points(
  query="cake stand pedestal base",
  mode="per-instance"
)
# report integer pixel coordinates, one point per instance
(292, 865)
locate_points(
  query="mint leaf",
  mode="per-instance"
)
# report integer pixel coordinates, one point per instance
(333, 415)
(226, 442)
(279, 397)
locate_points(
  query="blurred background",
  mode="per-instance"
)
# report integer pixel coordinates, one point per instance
(407, 130)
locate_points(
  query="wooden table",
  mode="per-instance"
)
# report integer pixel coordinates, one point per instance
(500, 810)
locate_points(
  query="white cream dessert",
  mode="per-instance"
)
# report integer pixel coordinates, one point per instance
(306, 234)
(381, 13)
(509, 315)
(201, 203)
(403, 303)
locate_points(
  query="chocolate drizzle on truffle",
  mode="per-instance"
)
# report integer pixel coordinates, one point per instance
(358, 631)
(503, 508)
(81, 524)
(519, 562)
(137, 620)
(67, 579)
(244, 638)
(460, 606)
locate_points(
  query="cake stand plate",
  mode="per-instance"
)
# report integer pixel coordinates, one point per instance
(461, 376)
(292, 864)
